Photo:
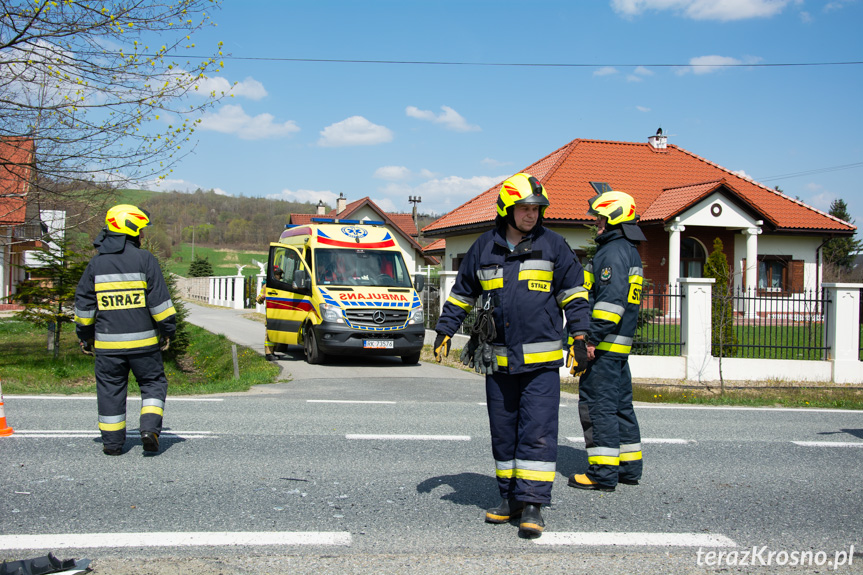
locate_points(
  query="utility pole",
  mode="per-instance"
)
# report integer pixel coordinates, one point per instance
(415, 200)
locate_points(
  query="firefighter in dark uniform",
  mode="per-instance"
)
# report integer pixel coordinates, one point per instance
(124, 315)
(614, 278)
(528, 281)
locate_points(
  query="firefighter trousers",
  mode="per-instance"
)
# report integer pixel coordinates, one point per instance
(611, 433)
(523, 417)
(112, 379)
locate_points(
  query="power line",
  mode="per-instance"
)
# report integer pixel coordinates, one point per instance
(810, 172)
(523, 64)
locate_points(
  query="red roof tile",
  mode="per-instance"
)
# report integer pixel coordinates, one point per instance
(671, 176)
(439, 245)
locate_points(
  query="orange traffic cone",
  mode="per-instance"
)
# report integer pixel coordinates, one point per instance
(4, 429)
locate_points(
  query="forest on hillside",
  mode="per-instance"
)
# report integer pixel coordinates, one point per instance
(203, 217)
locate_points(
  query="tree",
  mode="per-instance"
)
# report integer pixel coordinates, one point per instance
(82, 82)
(180, 341)
(839, 252)
(200, 267)
(723, 337)
(49, 296)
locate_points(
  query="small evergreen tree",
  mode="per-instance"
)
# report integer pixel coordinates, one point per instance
(839, 252)
(180, 341)
(200, 267)
(722, 312)
(49, 296)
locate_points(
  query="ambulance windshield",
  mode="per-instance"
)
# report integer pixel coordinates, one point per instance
(358, 267)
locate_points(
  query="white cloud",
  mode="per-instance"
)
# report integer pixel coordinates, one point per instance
(441, 195)
(493, 163)
(642, 108)
(392, 173)
(605, 71)
(248, 88)
(722, 10)
(806, 17)
(450, 119)
(642, 71)
(354, 131)
(837, 5)
(313, 196)
(231, 119)
(819, 197)
(742, 174)
(701, 65)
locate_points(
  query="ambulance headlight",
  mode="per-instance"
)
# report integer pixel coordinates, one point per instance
(331, 313)
(417, 316)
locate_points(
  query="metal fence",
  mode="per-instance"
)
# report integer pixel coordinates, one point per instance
(658, 331)
(755, 324)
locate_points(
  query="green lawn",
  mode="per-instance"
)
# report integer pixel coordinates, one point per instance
(224, 261)
(26, 367)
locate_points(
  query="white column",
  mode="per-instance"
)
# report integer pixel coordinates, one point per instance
(240, 292)
(447, 280)
(843, 331)
(674, 230)
(695, 328)
(751, 258)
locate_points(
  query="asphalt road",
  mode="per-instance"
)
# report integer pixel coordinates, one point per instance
(370, 466)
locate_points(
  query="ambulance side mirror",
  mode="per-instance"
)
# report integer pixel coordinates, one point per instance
(419, 282)
(302, 281)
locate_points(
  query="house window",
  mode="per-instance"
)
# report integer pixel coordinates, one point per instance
(692, 258)
(773, 273)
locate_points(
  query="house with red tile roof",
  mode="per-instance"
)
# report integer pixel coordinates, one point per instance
(365, 209)
(772, 241)
(17, 216)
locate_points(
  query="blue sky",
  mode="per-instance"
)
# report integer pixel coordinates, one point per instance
(303, 126)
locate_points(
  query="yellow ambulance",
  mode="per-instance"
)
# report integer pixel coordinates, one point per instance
(341, 287)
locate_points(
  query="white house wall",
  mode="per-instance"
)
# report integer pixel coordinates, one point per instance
(730, 217)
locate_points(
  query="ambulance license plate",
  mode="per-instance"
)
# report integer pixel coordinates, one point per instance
(378, 343)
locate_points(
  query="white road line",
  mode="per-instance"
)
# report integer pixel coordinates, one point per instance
(828, 443)
(93, 398)
(173, 539)
(645, 440)
(345, 401)
(726, 408)
(54, 433)
(635, 539)
(411, 437)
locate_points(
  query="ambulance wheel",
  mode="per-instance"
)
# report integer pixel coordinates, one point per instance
(314, 355)
(411, 359)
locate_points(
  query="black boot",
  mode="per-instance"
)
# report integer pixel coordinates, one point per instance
(506, 510)
(150, 439)
(531, 520)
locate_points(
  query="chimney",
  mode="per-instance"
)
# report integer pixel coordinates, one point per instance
(658, 141)
(321, 208)
(341, 203)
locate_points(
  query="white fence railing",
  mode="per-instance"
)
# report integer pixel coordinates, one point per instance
(224, 291)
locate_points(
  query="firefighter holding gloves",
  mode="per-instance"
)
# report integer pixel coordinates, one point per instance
(125, 317)
(523, 280)
(614, 278)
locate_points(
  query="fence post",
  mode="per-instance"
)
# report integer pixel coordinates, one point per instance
(239, 292)
(696, 327)
(447, 281)
(843, 331)
(259, 284)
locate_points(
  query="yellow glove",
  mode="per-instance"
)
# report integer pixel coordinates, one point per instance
(441, 347)
(576, 359)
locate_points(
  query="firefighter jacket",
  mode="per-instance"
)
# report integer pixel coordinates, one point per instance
(122, 301)
(528, 287)
(614, 279)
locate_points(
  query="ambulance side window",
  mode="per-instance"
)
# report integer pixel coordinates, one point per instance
(285, 262)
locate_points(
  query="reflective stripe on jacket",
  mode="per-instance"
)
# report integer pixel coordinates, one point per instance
(122, 301)
(614, 278)
(531, 287)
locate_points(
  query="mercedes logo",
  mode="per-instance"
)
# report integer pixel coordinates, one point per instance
(379, 317)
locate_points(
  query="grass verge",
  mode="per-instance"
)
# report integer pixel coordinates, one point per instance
(26, 367)
(757, 395)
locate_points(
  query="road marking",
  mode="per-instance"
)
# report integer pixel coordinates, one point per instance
(173, 539)
(635, 539)
(828, 443)
(725, 408)
(345, 401)
(93, 398)
(645, 440)
(412, 437)
(54, 433)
